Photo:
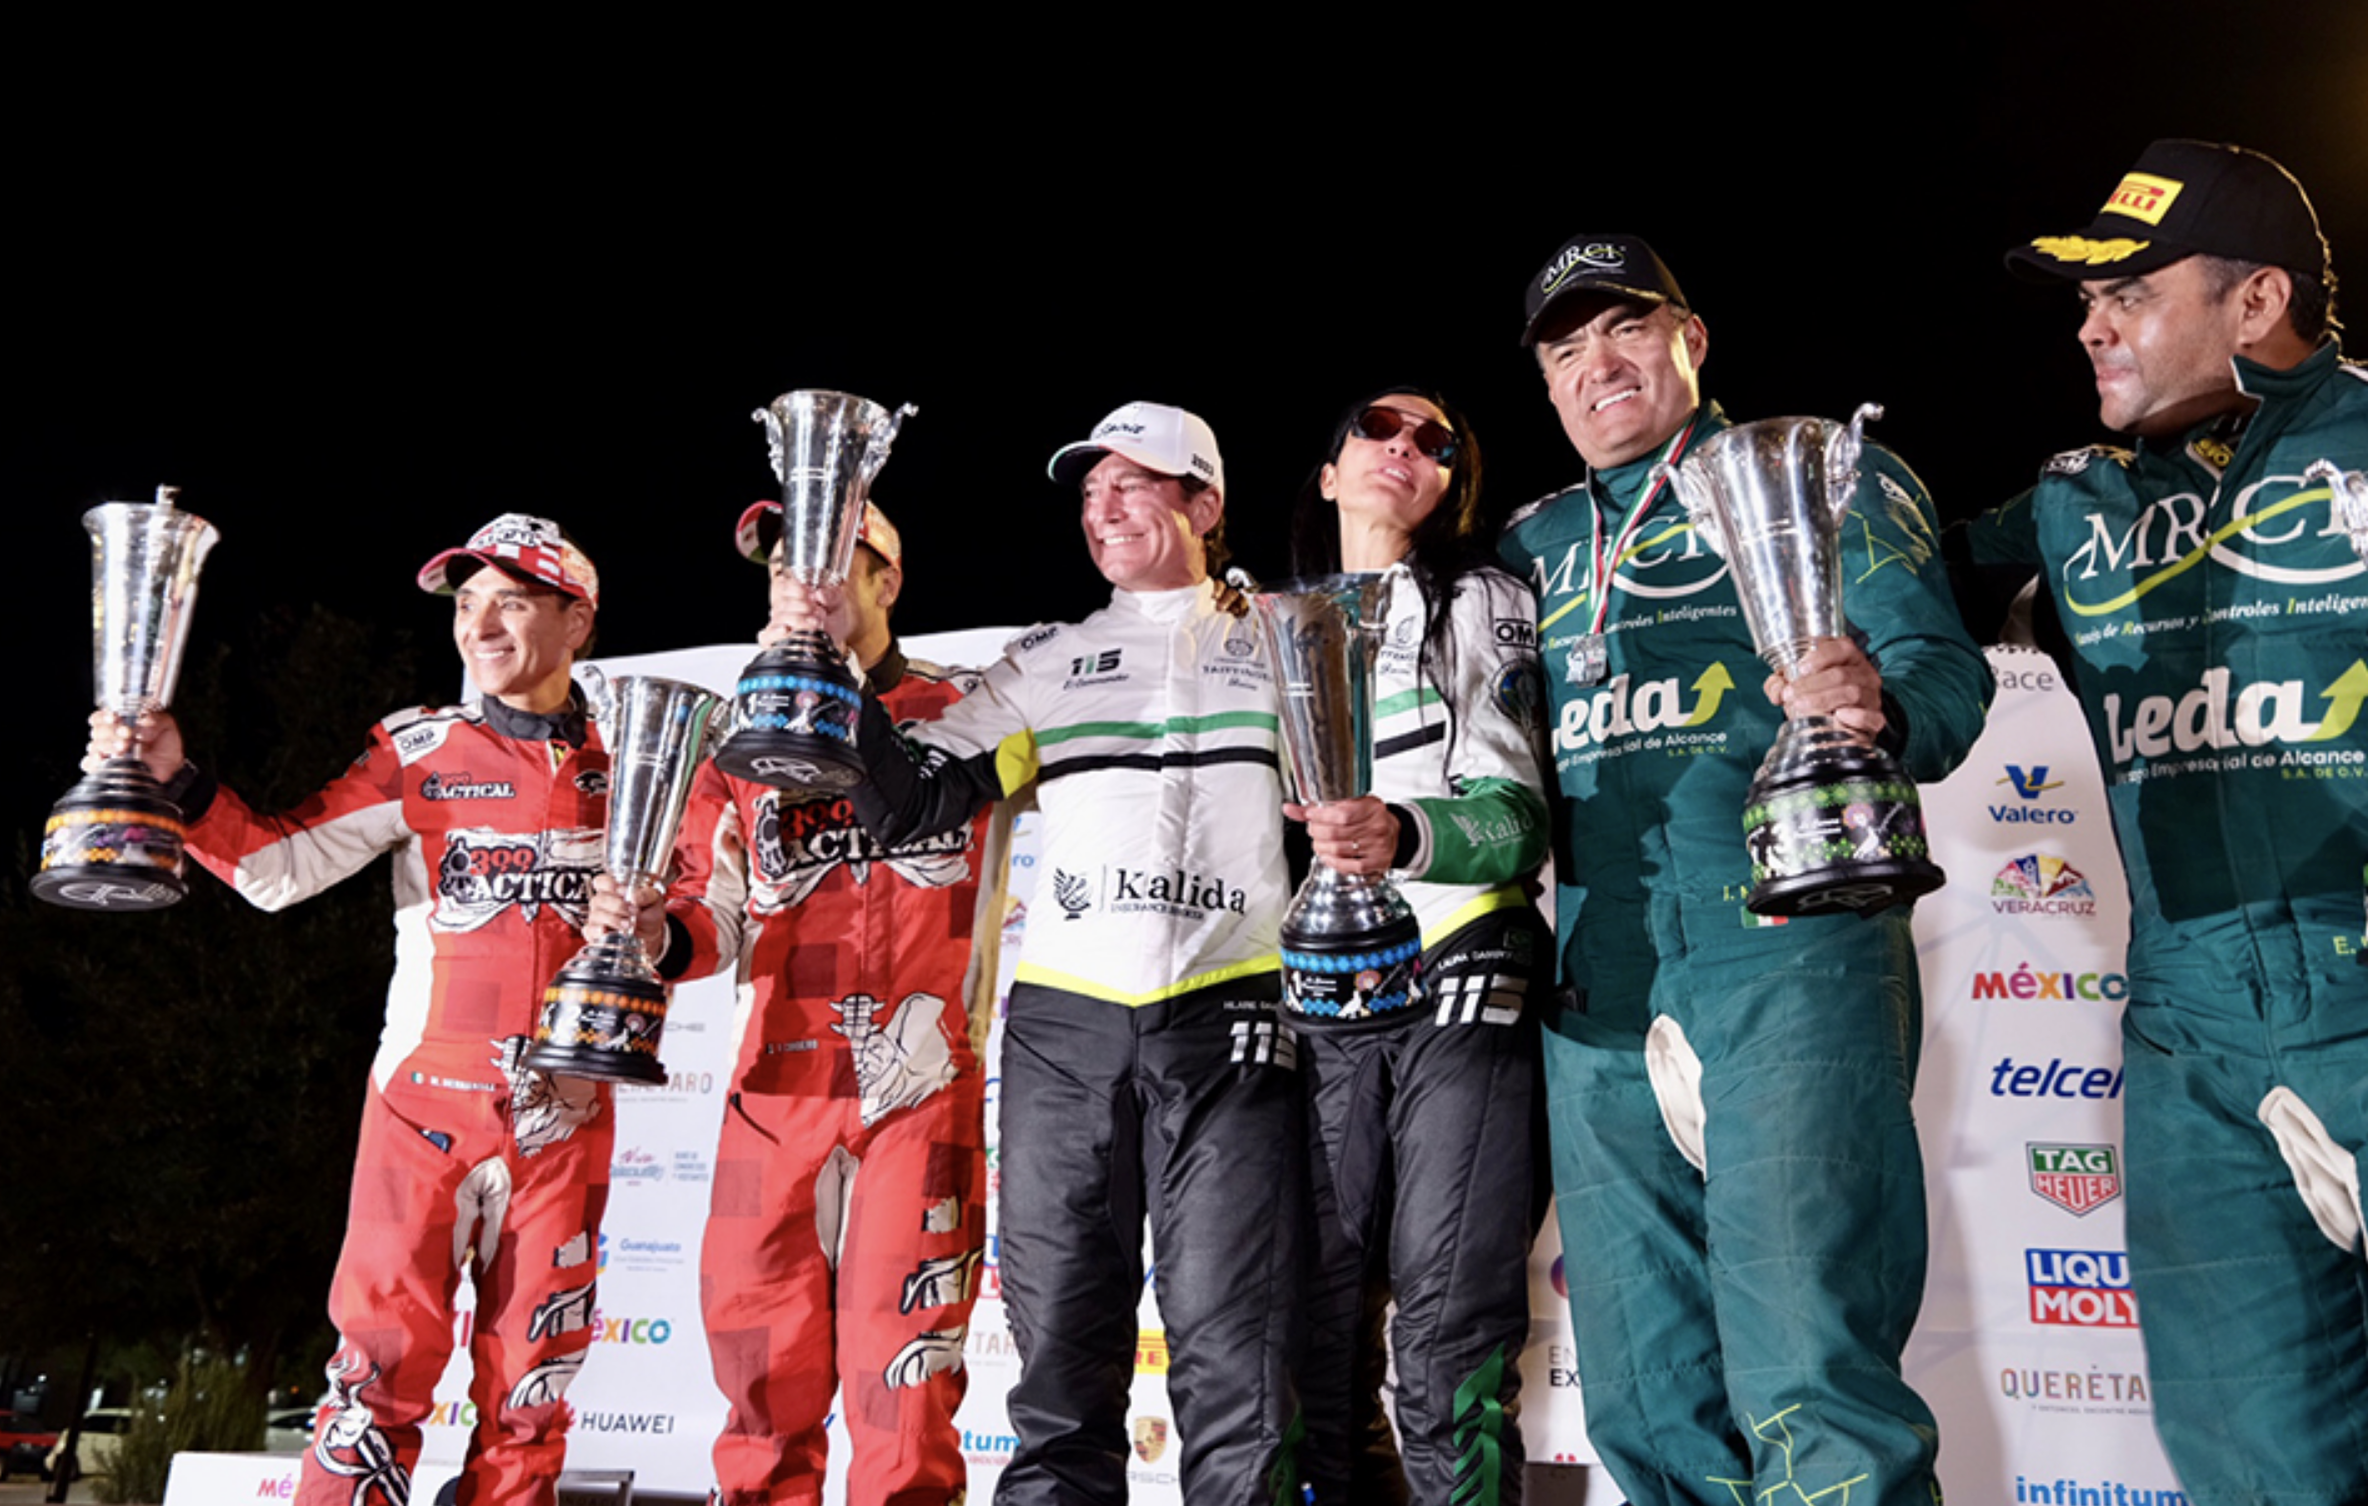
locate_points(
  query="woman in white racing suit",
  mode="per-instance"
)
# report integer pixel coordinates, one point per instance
(1425, 1120)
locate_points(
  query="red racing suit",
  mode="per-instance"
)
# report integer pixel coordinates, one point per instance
(850, 1185)
(494, 817)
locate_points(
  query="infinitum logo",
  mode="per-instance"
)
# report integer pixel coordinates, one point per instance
(2095, 1493)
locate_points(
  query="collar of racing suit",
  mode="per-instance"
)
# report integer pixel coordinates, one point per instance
(567, 725)
(886, 670)
(1621, 485)
(1168, 606)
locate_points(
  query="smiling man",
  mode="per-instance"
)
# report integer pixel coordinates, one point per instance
(468, 1162)
(2212, 614)
(1144, 1072)
(1735, 1157)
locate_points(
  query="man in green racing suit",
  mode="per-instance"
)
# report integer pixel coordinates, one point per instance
(2211, 617)
(1735, 1155)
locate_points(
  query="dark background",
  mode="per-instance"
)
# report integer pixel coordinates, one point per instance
(357, 284)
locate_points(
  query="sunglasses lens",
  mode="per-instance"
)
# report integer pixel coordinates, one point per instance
(1378, 424)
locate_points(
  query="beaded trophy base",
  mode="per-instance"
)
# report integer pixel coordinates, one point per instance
(602, 1017)
(113, 843)
(793, 720)
(1832, 824)
(1352, 950)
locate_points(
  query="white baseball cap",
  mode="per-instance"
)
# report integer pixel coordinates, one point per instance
(1153, 436)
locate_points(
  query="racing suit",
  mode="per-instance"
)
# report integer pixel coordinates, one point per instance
(1425, 1121)
(2215, 617)
(467, 1161)
(1739, 1317)
(849, 1202)
(1144, 1071)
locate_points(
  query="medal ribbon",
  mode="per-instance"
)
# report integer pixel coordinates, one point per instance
(1602, 566)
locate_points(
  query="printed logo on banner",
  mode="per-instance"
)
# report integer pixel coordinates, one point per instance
(1562, 1365)
(688, 1165)
(2123, 1391)
(679, 1087)
(2058, 1079)
(1151, 1352)
(2028, 982)
(2071, 1492)
(1150, 1438)
(608, 1330)
(990, 1274)
(2040, 883)
(648, 1255)
(2080, 1288)
(989, 1448)
(633, 1164)
(989, 1346)
(624, 1422)
(2079, 1179)
(2029, 785)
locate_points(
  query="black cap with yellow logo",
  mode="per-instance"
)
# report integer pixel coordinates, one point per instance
(2185, 198)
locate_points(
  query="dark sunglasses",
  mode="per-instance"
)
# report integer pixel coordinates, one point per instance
(1432, 438)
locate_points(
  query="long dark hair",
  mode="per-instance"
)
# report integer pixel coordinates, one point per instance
(1443, 549)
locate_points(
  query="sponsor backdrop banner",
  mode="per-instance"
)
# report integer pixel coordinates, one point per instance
(2028, 1349)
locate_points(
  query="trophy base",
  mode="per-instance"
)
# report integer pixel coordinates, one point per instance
(792, 761)
(1832, 824)
(793, 720)
(113, 843)
(602, 1017)
(1352, 950)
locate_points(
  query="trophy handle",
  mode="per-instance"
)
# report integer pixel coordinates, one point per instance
(1693, 494)
(875, 453)
(776, 444)
(1841, 461)
(600, 697)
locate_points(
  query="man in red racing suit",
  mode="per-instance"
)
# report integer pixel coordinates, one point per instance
(849, 1198)
(468, 1162)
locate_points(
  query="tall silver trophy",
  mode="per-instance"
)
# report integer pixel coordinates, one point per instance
(603, 1014)
(1830, 822)
(114, 841)
(1351, 944)
(796, 706)
(2347, 493)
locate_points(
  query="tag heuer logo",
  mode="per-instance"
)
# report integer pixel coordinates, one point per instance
(2076, 1178)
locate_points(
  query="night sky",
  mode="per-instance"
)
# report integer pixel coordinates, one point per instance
(357, 310)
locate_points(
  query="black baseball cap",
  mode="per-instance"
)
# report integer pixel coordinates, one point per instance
(2186, 198)
(1622, 266)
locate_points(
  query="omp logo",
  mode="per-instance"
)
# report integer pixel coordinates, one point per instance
(2211, 717)
(2143, 196)
(1514, 632)
(2168, 538)
(2081, 1288)
(1624, 708)
(2076, 1178)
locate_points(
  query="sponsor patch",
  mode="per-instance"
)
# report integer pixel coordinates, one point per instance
(2143, 196)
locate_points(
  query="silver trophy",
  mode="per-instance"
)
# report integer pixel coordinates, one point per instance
(796, 706)
(114, 841)
(603, 1014)
(2347, 493)
(1351, 944)
(1830, 822)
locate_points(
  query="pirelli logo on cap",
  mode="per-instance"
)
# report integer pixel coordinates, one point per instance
(2142, 196)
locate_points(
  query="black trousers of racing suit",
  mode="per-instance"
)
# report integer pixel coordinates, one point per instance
(1186, 1111)
(1430, 1182)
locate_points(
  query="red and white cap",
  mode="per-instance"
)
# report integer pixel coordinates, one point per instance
(760, 528)
(1153, 436)
(530, 547)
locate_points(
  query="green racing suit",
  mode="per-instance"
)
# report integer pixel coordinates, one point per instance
(2215, 621)
(1739, 1326)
